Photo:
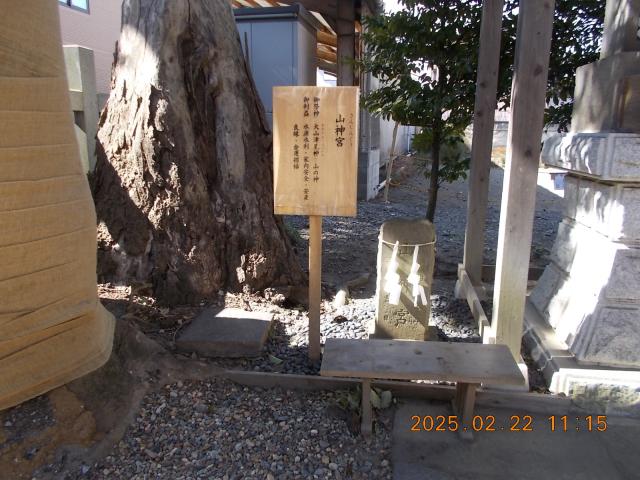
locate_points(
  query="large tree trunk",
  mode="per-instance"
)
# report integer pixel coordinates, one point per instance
(183, 184)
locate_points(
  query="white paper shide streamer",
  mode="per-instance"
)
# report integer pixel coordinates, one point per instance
(392, 284)
(417, 290)
(392, 278)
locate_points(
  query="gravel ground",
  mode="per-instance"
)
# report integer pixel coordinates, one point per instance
(219, 430)
(350, 250)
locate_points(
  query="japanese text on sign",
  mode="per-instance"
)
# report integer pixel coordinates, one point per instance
(315, 150)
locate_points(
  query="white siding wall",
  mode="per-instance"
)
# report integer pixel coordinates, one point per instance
(386, 137)
(98, 30)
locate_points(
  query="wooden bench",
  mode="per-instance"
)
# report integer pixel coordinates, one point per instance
(467, 364)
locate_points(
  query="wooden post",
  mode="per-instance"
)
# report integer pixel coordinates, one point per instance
(482, 143)
(463, 405)
(367, 417)
(346, 28)
(392, 156)
(533, 45)
(315, 285)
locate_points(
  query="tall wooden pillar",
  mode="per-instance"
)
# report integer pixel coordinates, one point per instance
(482, 143)
(346, 30)
(533, 45)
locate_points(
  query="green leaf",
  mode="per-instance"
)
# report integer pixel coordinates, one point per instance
(275, 360)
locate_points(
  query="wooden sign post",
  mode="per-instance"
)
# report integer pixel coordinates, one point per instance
(315, 166)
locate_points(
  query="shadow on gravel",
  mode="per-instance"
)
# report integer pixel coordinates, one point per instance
(281, 356)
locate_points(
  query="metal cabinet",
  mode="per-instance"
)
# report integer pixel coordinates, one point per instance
(280, 45)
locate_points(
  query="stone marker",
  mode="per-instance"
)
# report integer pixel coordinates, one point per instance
(226, 333)
(405, 321)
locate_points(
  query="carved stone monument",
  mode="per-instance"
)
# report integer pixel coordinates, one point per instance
(583, 316)
(406, 317)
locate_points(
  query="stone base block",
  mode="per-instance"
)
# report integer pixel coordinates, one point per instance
(602, 156)
(595, 388)
(590, 295)
(598, 91)
(227, 333)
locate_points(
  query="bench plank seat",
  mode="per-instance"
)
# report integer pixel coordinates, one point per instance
(415, 360)
(467, 364)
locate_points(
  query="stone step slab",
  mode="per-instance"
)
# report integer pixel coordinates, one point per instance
(230, 332)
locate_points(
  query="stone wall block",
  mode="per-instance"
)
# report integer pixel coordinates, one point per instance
(614, 338)
(564, 249)
(629, 209)
(623, 157)
(547, 285)
(602, 156)
(624, 282)
(571, 183)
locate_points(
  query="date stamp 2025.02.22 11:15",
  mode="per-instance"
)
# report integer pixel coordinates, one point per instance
(515, 423)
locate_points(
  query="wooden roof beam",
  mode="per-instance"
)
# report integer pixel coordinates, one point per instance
(328, 66)
(323, 7)
(249, 3)
(331, 57)
(327, 39)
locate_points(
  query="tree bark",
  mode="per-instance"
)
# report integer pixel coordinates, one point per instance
(434, 179)
(183, 183)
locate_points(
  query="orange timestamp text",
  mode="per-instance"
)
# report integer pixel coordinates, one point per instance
(515, 423)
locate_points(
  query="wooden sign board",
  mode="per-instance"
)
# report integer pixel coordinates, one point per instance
(315, 150)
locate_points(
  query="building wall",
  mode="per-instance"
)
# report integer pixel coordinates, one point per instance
(98, 30)
(403, 141)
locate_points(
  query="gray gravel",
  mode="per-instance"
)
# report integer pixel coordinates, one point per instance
(219, 430)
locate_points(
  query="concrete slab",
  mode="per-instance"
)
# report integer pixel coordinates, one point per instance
(226, 333)
(503, 454)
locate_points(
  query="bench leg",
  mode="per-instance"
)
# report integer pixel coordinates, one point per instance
(463, 404)
(365, 428)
